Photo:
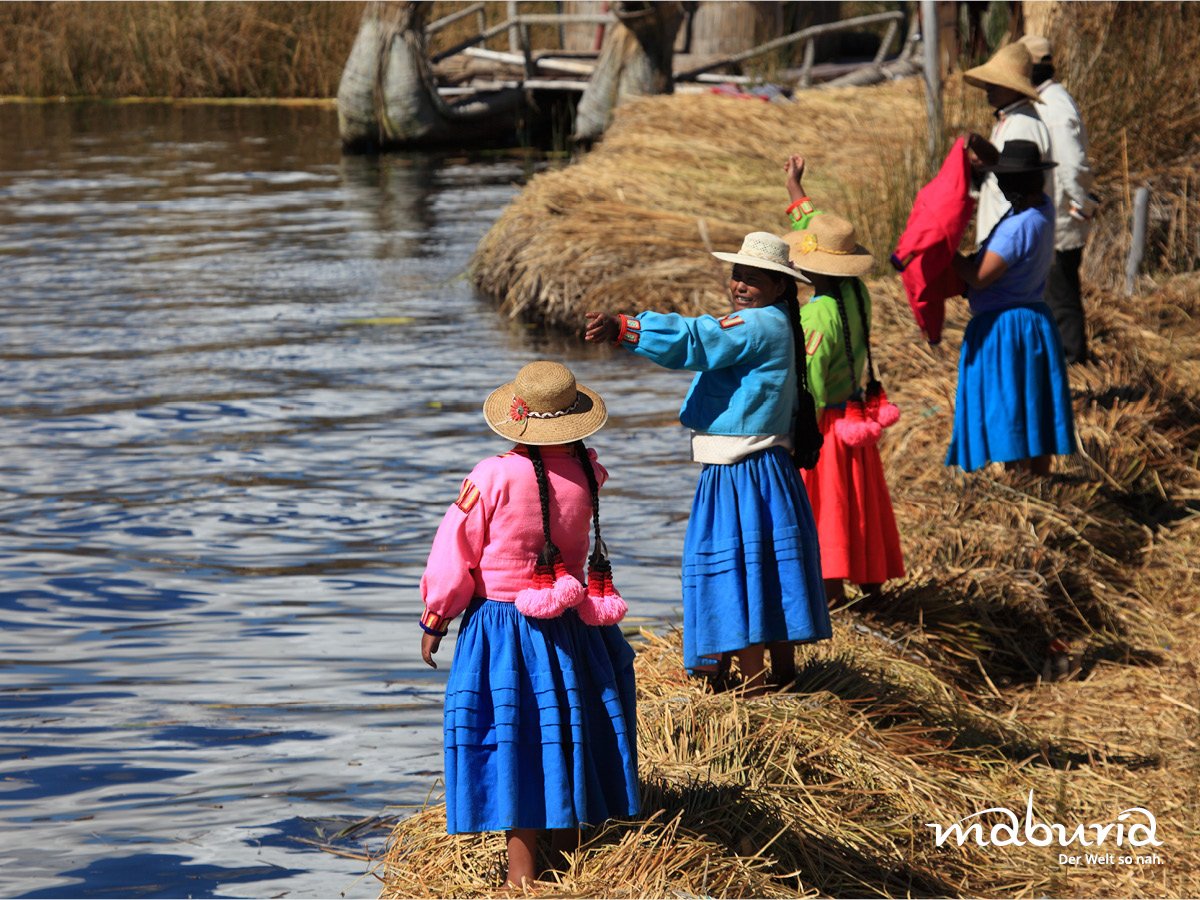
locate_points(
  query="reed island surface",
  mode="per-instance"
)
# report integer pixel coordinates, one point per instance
(1045, 639)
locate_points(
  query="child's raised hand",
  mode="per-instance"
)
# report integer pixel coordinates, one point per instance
(794, 167)
(429, 646)
(601, 328)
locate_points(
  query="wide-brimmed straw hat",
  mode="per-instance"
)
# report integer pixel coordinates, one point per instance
(829, 246)
(544, 405)
(1020, 156)
(1009, 67)
(1039, 47)
(763, 250)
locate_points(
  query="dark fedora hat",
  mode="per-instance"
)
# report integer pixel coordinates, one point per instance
(1020, 156)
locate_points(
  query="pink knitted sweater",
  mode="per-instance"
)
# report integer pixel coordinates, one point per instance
(490, 538)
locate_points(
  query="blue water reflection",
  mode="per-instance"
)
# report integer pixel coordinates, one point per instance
(241, 379)
(161, 875)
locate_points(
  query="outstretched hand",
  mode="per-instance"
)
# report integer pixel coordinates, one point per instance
(429, 646)
(601, 328)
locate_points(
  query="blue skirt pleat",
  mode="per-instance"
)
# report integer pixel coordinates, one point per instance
(1013, 400)
(540, 724)
(751, 561)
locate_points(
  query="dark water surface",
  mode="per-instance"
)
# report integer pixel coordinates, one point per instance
(241, 383)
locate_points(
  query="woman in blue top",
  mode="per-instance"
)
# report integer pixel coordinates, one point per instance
(751, 565)
(1013, 403)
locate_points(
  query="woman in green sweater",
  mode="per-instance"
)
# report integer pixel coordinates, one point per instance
(847, 490)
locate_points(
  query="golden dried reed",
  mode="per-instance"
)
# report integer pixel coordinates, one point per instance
(185, 49)
(937, 698)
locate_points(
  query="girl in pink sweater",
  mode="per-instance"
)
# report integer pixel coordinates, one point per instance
(540, 721)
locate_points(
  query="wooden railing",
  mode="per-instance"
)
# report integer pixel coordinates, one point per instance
(519, 25)
(809, 34)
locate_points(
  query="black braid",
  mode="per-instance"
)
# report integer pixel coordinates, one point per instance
(549, 551)
(859, 292)
(806, 434)
(594, 486)
(846, 339)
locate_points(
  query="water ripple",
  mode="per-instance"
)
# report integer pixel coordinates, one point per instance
(241, 384)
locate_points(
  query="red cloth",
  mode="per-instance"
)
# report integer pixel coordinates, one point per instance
(856, 527)
(939, 217)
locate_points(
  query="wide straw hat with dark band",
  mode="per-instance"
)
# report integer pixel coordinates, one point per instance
(828, 246)
(1010, 67)
(544, 405)
(763, 250)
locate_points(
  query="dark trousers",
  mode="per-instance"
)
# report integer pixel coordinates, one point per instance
(1064, 300)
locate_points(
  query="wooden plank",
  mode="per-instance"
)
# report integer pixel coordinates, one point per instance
(803, 34)
(544, 63)
(529, 84)
(471, 42)
(438, 24)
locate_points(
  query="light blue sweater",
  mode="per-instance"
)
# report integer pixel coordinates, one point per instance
(745, 362)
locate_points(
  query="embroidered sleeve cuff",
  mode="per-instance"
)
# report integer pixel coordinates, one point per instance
(432, 623)
(630, 331)
(800, 208)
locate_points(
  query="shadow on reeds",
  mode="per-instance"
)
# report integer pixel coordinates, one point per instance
(889, 701)
(745, 823)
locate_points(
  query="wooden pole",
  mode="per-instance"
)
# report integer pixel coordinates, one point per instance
(933, 77)
(514, 39)
(1137, 247)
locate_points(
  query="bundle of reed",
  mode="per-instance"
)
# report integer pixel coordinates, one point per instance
(675, 178)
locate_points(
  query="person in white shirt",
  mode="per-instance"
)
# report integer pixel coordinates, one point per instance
(1074, 204)
(1011, 94)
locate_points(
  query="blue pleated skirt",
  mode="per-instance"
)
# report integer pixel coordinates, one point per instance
(541, 723)
(751, 561)
(1013, 398)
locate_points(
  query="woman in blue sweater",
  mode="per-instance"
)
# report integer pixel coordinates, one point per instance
(751, 565)
(1013, 403)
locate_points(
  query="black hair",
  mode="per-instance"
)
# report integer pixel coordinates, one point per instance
(550, 552)
(1021, 185)
(806, 434)
(846, 337)
(599, 551)
(1041, 72)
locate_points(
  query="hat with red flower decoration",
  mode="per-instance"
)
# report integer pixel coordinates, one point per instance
(544, 405)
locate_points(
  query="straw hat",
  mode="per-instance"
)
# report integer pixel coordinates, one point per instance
(828, 246)
(1009, 67)
(1038, 47)
(1020, 156)
(763, 250)
(544, 405)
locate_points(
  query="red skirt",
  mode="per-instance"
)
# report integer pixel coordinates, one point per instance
(853, 510)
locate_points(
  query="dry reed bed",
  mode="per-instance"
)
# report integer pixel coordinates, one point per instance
(674, 177)
(929, 703)
(187, 49)
(926, 705)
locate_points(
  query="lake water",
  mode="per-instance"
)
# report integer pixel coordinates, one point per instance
(241, 383)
